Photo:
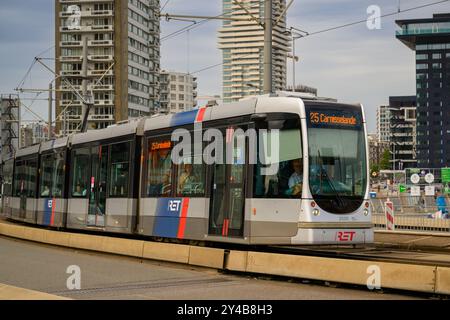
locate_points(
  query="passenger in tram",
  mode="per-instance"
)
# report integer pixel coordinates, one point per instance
(187, 180)
(79, 191)
(166, 184)
(45, 192)
(296, 179)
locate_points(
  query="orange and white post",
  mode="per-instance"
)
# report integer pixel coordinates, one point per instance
(389, 212)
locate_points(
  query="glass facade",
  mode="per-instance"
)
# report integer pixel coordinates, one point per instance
(430, 38)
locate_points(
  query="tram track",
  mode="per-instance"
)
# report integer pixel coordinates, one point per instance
(414, 257)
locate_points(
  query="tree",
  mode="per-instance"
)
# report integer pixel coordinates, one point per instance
(385, 163)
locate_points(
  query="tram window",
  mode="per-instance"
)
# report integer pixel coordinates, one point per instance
(191, 175)
(31, 169)
(285, 180)
(120, 165)
(58, 177)
(46, 175)
(19, 182)
(80, 178)
(8, 178)
(159, 168)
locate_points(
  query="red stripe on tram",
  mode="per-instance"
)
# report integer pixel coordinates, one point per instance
(200, 114)
(183, 217)
(52, 219)
(225, 227)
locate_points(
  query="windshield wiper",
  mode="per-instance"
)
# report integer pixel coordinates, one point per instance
(333, 188)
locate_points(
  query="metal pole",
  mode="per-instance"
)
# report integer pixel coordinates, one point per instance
(49, 126)
(87, 99)
(293, 63)
(268, 47)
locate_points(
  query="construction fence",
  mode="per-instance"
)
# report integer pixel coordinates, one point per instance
(413, 213)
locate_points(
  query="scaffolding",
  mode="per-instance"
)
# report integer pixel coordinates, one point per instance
(9, 124)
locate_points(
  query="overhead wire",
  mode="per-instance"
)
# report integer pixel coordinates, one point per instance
(336, 28)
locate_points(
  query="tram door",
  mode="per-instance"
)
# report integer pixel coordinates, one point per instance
(97, 189)
(226, 217)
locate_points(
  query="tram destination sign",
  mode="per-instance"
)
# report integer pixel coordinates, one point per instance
(334, 118)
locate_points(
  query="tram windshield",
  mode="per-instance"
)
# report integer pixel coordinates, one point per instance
(337, 157)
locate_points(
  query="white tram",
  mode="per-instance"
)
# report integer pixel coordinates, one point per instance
(226, 186)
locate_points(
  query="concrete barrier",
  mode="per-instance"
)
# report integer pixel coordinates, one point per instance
(8, 292)
(206, 257)
(443, 280)
(237, 261)
(11, 230)
(127, 247)
(57, 238)
(419, 278)
(166, 252)
(393, 275)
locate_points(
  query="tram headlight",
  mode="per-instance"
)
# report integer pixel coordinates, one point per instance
(316, 212)
(366, 212)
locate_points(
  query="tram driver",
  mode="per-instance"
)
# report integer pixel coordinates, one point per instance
(296, 179)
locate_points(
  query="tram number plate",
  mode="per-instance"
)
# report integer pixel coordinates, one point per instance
(344, 236)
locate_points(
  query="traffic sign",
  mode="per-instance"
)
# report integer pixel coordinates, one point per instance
(415, 178)
(445, 175)
(429, 178)
(401, 188)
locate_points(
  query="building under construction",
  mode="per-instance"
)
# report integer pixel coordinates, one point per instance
(9, 125)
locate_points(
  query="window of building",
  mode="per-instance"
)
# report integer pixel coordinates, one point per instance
(421, 66)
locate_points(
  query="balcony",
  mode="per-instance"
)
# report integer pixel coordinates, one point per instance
(71, 43)
(65, 87)
(71, 58)
(103, 102)
(101, 87)
(84, 1)
(100, 73)
(74, 103)
(100, 43)
(88, 29)
(100, 58)
(424, 28)
(101, 117)
(70, 73)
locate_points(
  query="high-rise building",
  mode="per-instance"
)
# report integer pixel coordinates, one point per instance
(430, 38)
(123, 60)
(178, 92)
(383, 129)
(242, 45)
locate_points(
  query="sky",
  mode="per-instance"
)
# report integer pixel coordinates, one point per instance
(352, 64)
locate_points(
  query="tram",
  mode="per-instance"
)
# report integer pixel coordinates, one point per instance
(276, 169)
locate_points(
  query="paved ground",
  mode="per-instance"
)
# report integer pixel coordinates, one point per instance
(43, 268)
(411, 240)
